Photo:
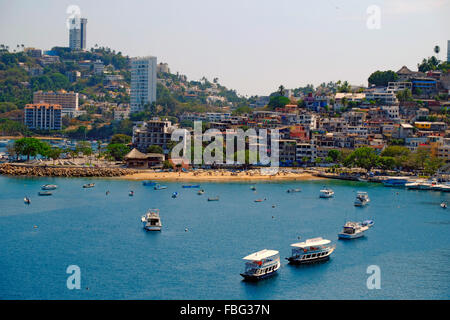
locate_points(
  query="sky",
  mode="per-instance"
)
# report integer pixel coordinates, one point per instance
(252, 46)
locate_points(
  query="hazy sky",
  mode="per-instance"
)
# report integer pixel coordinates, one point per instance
(252, 46)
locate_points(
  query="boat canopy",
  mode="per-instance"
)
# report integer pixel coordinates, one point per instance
(311, 242)
(263, 254)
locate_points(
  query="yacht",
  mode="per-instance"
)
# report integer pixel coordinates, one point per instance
(326, 193)
(311, 250)
(261, 264)
(49, 187)
(353, 230)
(362, 199)
(151, 220)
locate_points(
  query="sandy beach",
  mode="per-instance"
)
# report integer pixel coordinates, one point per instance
(212, 175)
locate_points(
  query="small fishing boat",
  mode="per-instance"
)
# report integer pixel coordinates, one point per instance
(293, 190)
(252, 188)
(260, 200)
(353, 230)
(159, 187)
(213, 199)
(27, 200)
(362, 199)
(131, 193)
(89, 185)
(44, 193)
(149, 183)
(311, 250)
(200, 192)
(443, 205)
(326, 193)
(49, 187)
(151, 220)
(261, 264)
(191, 186)
(175, 194)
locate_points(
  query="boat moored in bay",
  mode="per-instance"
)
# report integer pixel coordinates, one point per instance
(353, 230)
(89, 185)
(261, 264)
(160, 187)
(49, 187)
(326, 193)
(44, 193)
(151, 220)
(362, 199)
(311, 250)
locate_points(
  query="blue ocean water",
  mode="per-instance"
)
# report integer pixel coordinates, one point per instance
(103, 235)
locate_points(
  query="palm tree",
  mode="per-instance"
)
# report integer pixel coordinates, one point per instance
(281, 90)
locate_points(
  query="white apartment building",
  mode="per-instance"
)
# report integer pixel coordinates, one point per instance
(143, 82)
(382, 97)
(394, 87)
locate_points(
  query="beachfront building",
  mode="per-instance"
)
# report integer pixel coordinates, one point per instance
(154, 132)
(305, 152)
(43, 116)
(143, 82)
(67, 100)
(137, 159)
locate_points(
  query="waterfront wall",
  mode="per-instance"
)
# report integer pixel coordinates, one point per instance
(50, 171)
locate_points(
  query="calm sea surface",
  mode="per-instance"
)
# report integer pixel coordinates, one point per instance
(103, 235)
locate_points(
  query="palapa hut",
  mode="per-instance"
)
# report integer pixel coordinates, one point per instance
(137, 159)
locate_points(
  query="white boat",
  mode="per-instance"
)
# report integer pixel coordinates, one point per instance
(49, 187)
(26, 200)
(311, 250)
(131, 193)
(151, 220)
(353, 230)
(443, 205)
(326, 193)
(200, 192)
(261, 264)
(160, 187)
(89, 185)
(293, 190)
(413, 185)
(440, 187)
(362, 199)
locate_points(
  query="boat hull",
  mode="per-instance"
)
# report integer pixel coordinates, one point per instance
(298, 260)
(252, 277)
(346, 236)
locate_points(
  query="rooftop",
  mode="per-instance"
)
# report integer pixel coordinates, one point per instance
(263, 254)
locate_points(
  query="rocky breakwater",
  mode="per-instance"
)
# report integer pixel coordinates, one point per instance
(50, 171)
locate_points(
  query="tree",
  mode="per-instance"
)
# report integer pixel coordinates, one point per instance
(117, 151)
(382, 78)
(29, 147)
(54, 154)
(404, 95)
(278, 101)
(281, 90)
(155, 149)
(334, 155)
(437, 49)
(120, 138)
(364, 157)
